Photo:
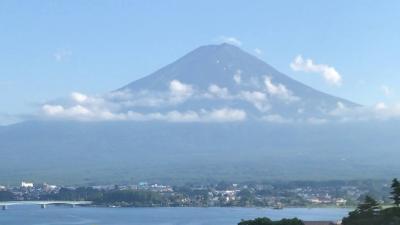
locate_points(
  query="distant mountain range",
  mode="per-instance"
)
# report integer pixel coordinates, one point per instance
(218, 113)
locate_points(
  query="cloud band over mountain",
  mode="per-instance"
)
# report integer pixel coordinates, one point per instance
(218, 84)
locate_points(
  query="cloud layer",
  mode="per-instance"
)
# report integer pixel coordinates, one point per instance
(379, 111)
(259, 92)
(120, 106)
(146, 105)
(83, 113)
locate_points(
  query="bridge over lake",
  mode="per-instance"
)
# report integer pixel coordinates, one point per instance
(43, 204)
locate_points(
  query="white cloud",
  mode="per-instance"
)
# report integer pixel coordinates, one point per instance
(178, 88)
(216, 91)
(237, 77)
(52, 109)
(384, 111)
(216, 115)
(180, 91)
(176, 116)
(258, 99)
(171, 116)
(76, 112)
(79, 110)
(225, 115)
(79, 97)
(279, 90)
(62, 54)
(258, 51)
(329, 73)
(379, 111)
(230, 40)
(60, 111)
(82, 113)
(380, 106)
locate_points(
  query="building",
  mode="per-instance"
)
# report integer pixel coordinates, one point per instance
(49, 188)
(26, 185)
(341, 201)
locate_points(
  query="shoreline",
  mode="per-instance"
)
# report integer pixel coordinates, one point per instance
(182, 206)
(233, 207)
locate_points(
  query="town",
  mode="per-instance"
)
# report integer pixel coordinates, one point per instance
(223, 194)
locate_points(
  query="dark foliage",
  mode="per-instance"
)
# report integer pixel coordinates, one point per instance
(79, 194)
(267, 221)
(6, 196)
(370, 213)
(108, 197)
(395, 192)
(130, 198)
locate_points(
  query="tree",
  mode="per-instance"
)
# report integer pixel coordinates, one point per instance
(395, 192)
(370, 213)
(365, 214)
(267, 221)
(257, 221)
(6, 196)
(369, 207)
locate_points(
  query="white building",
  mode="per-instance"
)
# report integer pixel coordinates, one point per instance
(48, 187)
(26, 184)
(341, 201)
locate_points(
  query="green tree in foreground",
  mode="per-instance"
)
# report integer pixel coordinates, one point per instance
(365, 214)
(369, 211)
(395, 192)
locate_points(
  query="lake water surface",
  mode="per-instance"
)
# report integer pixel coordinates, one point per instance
(34, 215)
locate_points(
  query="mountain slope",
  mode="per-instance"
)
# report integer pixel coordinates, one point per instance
(107, 152)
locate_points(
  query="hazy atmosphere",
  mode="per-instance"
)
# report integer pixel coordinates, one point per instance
(204, 113)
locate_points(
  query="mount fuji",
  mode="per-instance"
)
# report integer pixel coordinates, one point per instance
(224, 76)
(217, 113)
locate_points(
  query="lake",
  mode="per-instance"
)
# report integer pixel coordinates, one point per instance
(58, 215)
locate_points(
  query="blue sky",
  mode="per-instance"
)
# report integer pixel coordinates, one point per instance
(52, 48)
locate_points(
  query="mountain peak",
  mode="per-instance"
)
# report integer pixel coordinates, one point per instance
(221, 47)
(205, 65)
(222, 52)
